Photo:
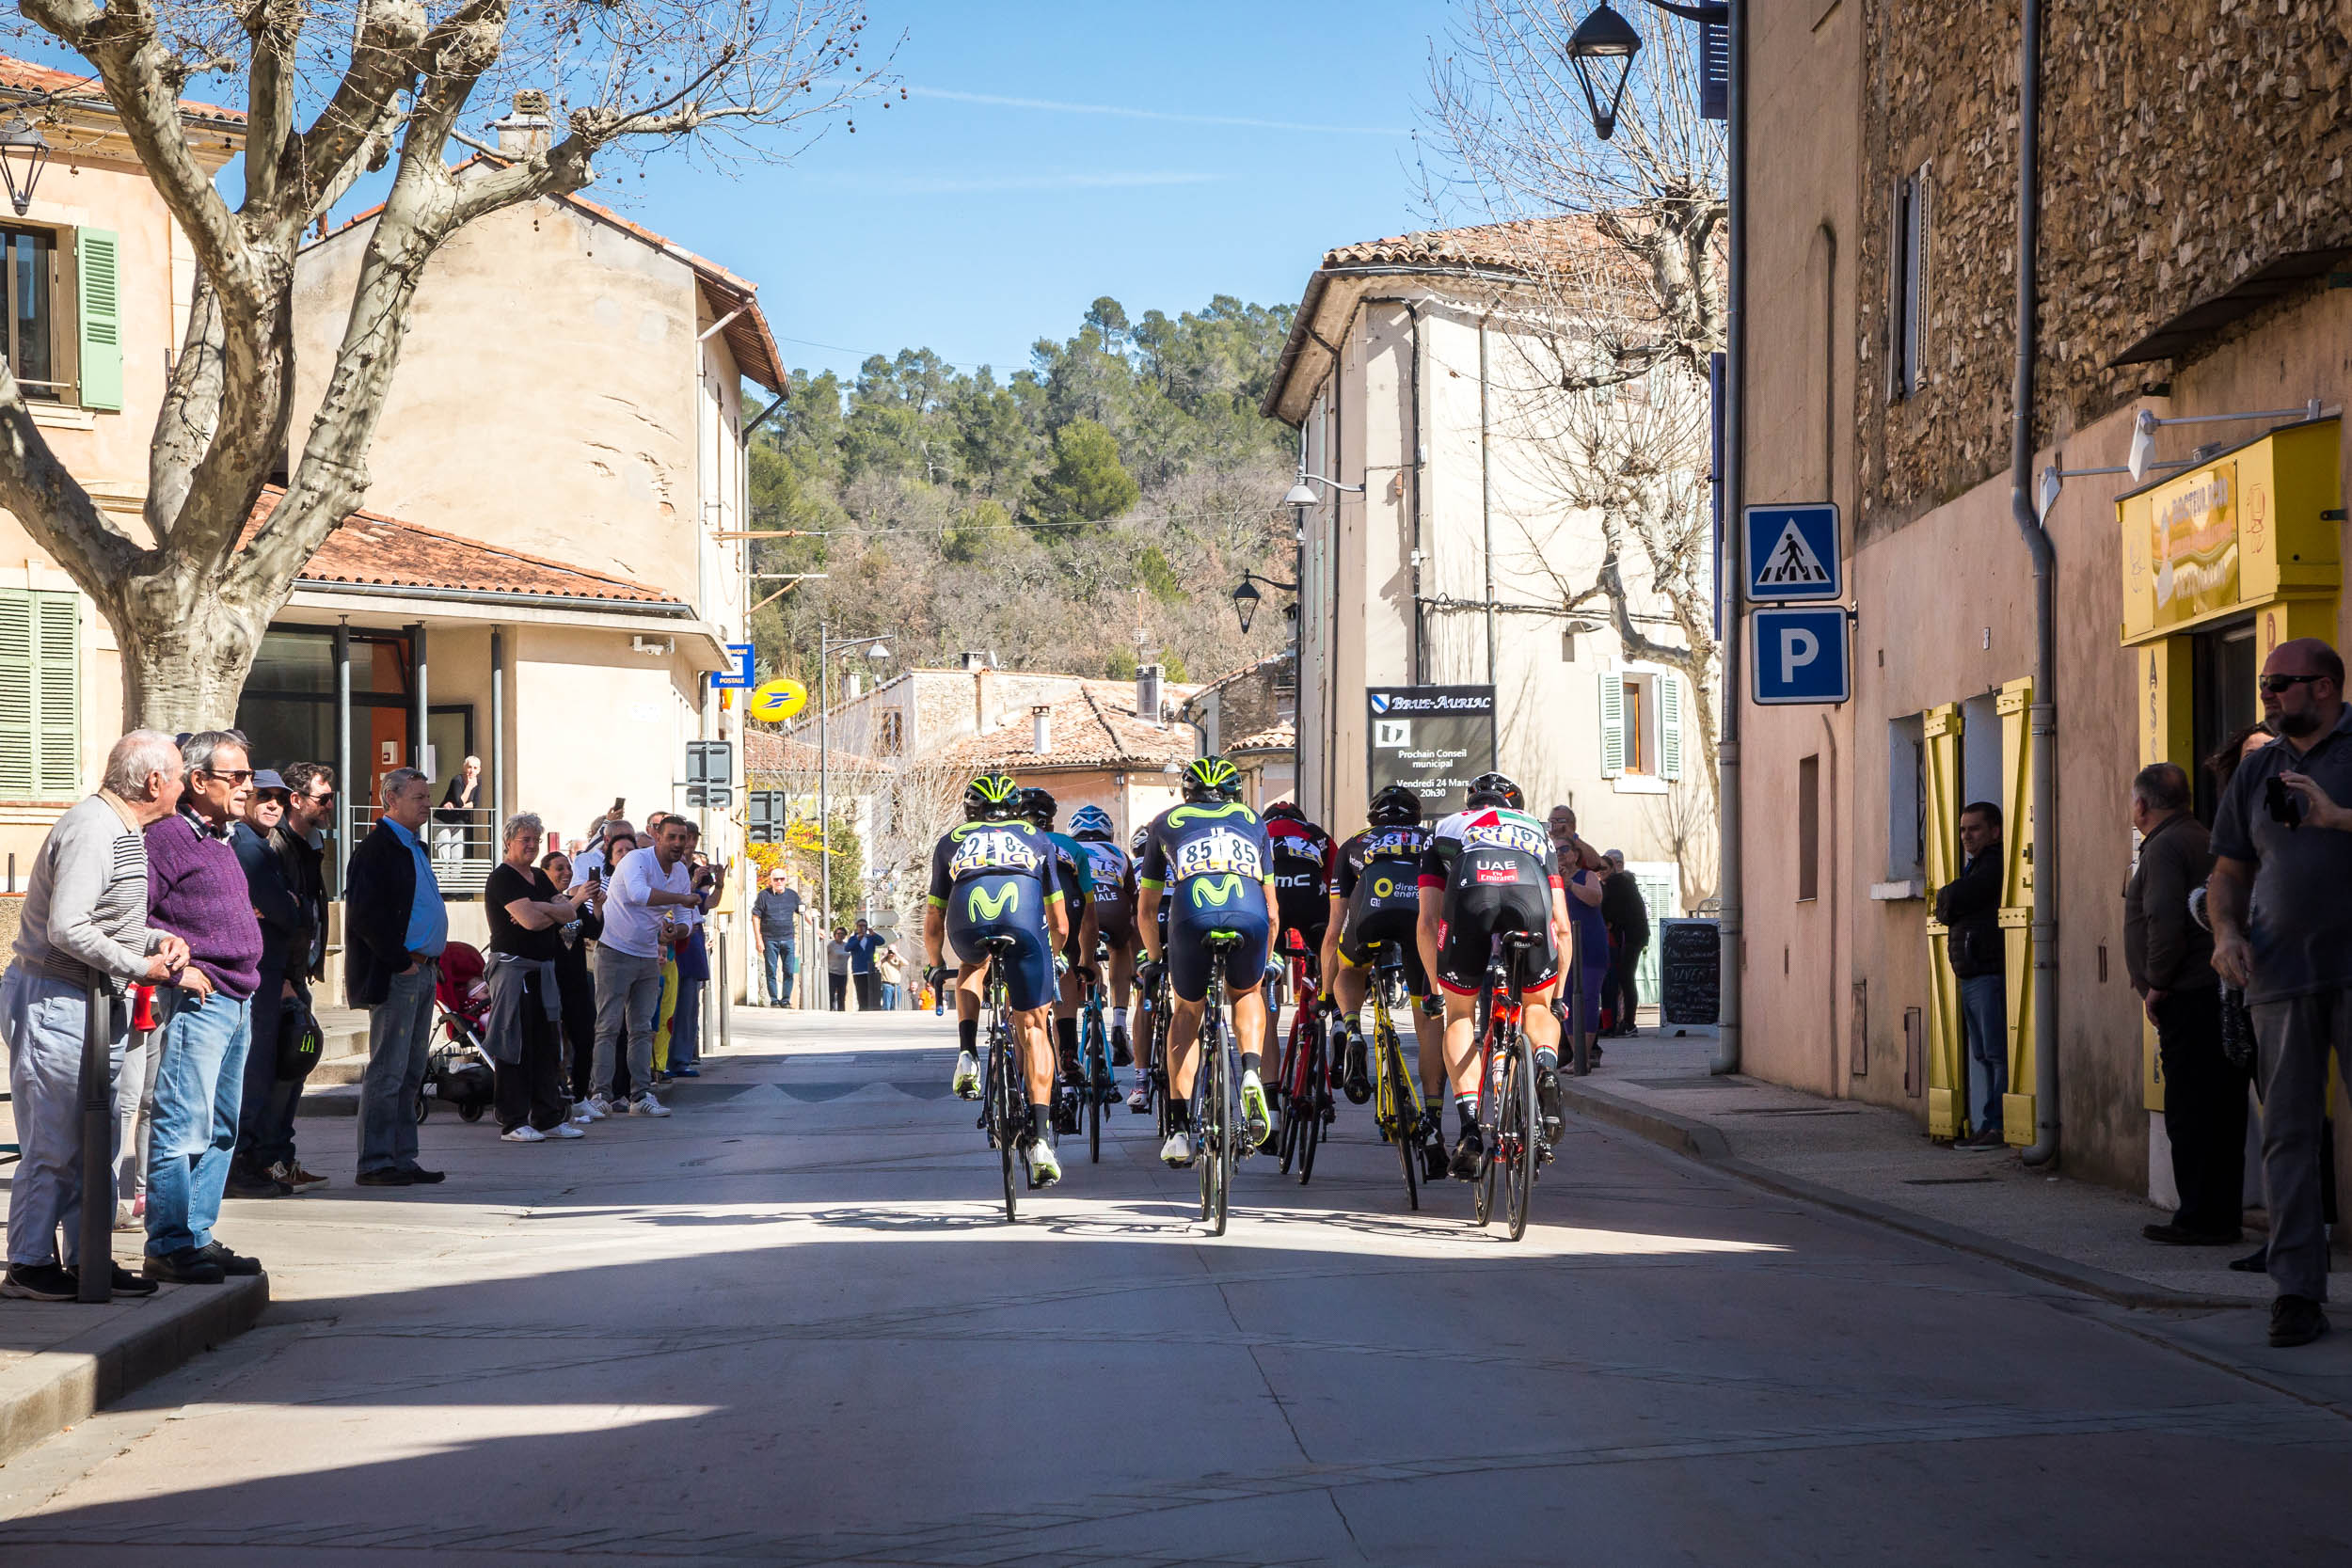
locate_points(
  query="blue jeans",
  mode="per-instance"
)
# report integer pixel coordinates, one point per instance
(197, 1090)
(686, 1024)
(889, 996)
(400, 1035)
(42, 1020)
(1984, 1023)
(776, 956)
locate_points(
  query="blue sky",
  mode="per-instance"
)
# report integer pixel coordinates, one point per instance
(964, 221)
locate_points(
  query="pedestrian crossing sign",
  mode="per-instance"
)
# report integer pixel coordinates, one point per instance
(1793, 553)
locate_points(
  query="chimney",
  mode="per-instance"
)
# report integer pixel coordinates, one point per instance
(1148, 693)
(525, 133)
(1041, 729)
(978, 659)
(983, 698)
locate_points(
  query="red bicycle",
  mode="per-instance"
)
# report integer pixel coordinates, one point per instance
(1302, 1089)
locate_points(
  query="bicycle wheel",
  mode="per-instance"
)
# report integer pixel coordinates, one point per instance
(1096, 1056)
(1307, 1120)
(1482, 1190)
(1400, 1110)
(1518, 1140)
(1003, 1099)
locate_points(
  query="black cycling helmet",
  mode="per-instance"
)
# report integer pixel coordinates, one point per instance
(1397, 806)
(1496, 789)
(992, 796)
(1212, 778)
(1037, 806)
(1285, 808)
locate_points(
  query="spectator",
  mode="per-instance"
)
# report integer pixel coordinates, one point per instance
(2282, 929)
(693, 966)
(774, 911)
(83, 922)
(298, 842)
(458, 812)
(893, 969)
(524, 1036)
(642, 888)
(282, 917)
(837, 969)
(599, 857)
(395, 926)
(864, 944)
(196, 892)
(573, 985)
(2170, 957)
(1627, 919)
(1579, 867)
(1969, 907)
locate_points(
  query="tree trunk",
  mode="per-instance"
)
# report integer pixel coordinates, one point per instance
(185, 653)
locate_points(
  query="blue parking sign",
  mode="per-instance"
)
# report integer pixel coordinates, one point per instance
(1799, 656)
(1793, 553)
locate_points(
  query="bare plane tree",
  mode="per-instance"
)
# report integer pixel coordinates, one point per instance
(1623, 254)
(333, 92)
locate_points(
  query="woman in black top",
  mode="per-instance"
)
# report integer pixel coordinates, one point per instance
(527, 916)
(575, 982)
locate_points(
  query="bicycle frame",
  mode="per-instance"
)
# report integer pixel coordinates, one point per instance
(1398, 1109)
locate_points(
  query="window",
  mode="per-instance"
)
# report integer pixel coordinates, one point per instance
(29, 269)
(1906, 799)
(64, 337)
(1907, 286)
(893, 732)
(40, 695)
(1641, 728)
(1808, 828)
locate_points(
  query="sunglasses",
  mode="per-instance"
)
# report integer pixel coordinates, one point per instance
(229, 775)
(2277, 684)
(321, 796)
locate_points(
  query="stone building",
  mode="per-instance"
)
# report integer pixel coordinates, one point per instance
(2194, 247)
(1250, 717)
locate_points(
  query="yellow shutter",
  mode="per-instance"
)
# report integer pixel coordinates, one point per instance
(2017, 836)
(1948, 1070)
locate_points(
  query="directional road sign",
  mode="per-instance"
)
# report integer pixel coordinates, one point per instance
(763, 820)
(1793, 554)
(709, 762)
(1801, 656)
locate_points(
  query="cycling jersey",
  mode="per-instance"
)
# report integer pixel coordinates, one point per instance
(1496, 868)
(994, 879)
(1113, 874)
(1211, 862)
(1074, 875)
(1302, 872)
(1377, 873)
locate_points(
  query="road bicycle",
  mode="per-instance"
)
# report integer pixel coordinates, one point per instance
(1216, 1090)
(1303, 1107)
(1004, 1101)
(1149, 1042)
(1507, 1118)
(1398, 1109)
(1095, 1059)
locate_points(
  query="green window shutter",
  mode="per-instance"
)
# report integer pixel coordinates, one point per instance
(1669, 727)
(1612, 724)
(58, 718)
(99, 339)
(20, 749)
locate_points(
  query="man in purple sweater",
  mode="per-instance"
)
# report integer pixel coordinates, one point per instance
(196, 892)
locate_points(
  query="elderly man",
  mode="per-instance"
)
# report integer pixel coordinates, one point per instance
(2282, 929)
(640, 895)
(775, 910)
(395, 926)
(196, 892)
(83, 923)
(2169, 958)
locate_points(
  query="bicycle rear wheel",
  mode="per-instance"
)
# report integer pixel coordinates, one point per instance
(1096, 1056)
(1517, 1128)
(1003, 1099)
(1401, 1110)
(1482, 1201)
(1308, 1109)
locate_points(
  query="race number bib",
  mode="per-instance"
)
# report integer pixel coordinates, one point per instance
(1218, 853)
(996, 852)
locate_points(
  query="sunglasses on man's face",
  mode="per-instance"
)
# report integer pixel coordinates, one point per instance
(2278, 684)
(231, 776)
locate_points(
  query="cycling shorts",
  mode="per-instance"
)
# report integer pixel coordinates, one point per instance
(1189, 951)
(1480, 912)
(1115, 923)
(1397, 927)
(1030, 979)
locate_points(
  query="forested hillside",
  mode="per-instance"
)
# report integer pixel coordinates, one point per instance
(1125, 473)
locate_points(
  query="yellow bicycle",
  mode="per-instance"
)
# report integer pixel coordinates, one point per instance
(1397, 1106)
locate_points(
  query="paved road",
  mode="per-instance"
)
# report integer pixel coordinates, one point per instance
(789, 1326)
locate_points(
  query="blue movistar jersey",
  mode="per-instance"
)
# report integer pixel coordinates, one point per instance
(989, 871)
(1075, 872)
(1207, 858)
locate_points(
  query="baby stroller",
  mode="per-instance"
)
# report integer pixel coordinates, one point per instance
(458, 1069)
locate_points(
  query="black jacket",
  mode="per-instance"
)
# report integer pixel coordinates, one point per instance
(1970, 907)
(305, 876)
(274, 902)
(1622, 909)
(379, 886)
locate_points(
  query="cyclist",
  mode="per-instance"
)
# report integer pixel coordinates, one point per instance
(1209, 857)
(1488, 870)
(994, 877)
(1112, 874)
(1148, 972)
(1070, 871)
(1302, 872)
(1375, 898)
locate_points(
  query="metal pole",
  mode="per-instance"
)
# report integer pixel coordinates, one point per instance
(97, 1235)
(824, 780)
(499, 794)
(1487, 503)
(1732, 938)
(418, 698)
(349, 796)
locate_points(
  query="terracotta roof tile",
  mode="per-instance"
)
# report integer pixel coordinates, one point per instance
(1097, 727)
(369, 550)
(771, 751)
(1526, 246)
(1278, 738)
(84, 85)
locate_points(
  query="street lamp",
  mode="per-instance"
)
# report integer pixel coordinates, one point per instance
(877, 649)
(24, 153)
(1301, 494)
(1602, 49)
(1245, 596)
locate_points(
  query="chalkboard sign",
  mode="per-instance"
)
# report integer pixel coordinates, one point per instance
(1689, 969)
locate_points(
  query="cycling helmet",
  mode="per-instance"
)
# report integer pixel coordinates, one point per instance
(1037, 806)
(991, 794)
(1090, 822)
(1143, 836)
(1286, 808)
(1397, 806)
(1495, 789)
(1212, 778)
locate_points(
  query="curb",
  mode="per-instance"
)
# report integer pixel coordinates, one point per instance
(54, 1388)
(1705, 1145)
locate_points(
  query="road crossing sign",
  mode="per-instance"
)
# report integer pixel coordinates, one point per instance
(1793, 553)
(1799, 656)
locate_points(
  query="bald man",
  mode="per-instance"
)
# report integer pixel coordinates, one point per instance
(2282, 929)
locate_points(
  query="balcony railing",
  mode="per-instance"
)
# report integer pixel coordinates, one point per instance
(461, 843)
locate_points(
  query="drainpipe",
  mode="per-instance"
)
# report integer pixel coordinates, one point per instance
(1486, 499)
(1421, 649)
(1729, 933)
(2044, 713)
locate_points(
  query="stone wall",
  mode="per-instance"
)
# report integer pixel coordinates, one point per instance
(2184, 144)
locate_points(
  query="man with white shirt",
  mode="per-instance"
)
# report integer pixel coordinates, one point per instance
(591, 857)
(640, 894)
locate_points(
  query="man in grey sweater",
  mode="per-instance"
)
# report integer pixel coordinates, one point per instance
(85, 922)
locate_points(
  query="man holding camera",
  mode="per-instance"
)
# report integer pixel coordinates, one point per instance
(2282, 929)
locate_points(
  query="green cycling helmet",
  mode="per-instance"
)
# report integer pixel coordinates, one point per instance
(1212, 778)
(992, 795)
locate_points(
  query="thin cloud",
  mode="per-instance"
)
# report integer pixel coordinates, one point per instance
(924, 184)
(1053, 106)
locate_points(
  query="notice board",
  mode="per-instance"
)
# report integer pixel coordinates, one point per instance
(1690, 971)
(1433, 739)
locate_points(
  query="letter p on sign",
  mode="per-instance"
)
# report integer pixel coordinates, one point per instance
(1798, 648)
(1801, 655)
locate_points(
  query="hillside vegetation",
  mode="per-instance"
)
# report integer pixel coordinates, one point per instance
(1124, 477)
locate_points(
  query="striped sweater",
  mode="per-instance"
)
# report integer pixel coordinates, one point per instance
(85, 908)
